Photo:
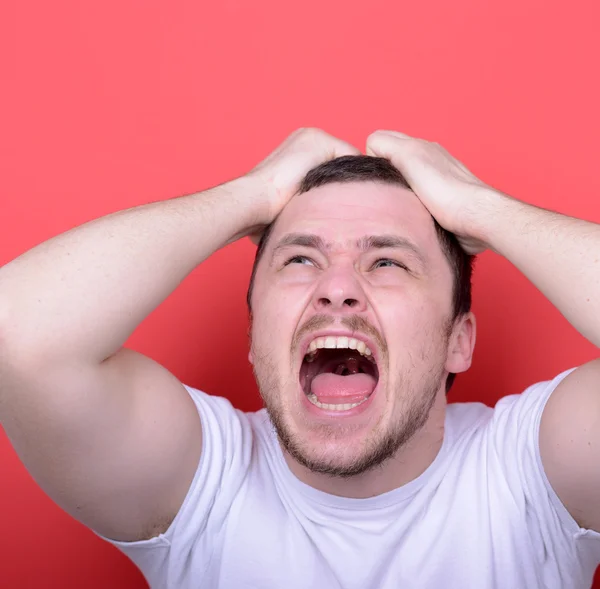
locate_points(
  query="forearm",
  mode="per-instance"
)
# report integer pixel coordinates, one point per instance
(559, 254)
(81, 294)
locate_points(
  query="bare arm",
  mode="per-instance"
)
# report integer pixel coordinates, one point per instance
(95, 284)
(109, 434)
(560, 255)
(99, 426)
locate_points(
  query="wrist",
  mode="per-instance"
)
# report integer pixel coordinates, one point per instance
(255, 193)
(251, 202)
(496, 211)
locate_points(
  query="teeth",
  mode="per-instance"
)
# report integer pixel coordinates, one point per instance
(342, 342)
(331, 342)
(333, 407)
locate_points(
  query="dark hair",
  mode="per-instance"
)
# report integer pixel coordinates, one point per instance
(363, 168)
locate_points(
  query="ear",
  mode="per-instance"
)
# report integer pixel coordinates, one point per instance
(461, 344)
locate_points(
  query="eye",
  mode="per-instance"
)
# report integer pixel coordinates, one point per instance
(387, 263)
(299, 260)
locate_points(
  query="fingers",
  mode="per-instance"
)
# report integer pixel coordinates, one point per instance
(396, 134)
(339, 148)
(382, 143)
(328, 146)
(391, 145)
(387, 143)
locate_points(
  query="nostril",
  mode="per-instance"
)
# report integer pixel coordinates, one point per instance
(326, 302)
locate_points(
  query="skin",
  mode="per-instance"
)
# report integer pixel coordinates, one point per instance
(406, 310)
(81, 409)
(560, 256)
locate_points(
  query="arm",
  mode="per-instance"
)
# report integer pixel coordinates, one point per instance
(96, 283)
(110, 435)
(561, 256)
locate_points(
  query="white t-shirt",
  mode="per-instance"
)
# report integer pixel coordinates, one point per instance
(483, 515)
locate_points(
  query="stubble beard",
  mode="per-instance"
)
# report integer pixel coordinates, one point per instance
(417, 394)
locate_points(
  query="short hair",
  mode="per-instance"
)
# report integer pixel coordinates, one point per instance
(363, 168)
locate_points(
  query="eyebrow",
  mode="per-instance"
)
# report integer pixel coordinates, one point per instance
(364, 244)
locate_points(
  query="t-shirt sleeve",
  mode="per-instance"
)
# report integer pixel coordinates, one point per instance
(190, 539)
(515, 430)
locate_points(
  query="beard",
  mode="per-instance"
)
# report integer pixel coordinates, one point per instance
(416, 389)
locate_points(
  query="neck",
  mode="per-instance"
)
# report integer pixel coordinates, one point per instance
(408, 463)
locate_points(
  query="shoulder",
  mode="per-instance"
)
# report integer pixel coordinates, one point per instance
(225, 428)
(516, 408)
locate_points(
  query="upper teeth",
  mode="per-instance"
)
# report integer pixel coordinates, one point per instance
(338, 342)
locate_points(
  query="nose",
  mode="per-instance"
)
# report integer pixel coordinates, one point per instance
(339, 291)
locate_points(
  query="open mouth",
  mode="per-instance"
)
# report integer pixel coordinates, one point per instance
(338, 374)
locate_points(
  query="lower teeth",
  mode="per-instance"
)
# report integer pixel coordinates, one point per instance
(331, 406)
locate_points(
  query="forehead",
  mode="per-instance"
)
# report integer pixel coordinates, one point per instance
(341, 213)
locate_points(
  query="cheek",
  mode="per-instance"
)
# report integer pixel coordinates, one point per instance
(402, 313)
(277, 311)
(280, 299)
(276, 318)
(281, 295)
(410, 328)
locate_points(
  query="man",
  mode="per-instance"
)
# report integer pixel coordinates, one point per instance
(358, 474)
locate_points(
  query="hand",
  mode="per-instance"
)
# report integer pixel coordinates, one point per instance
(454, 197)
(282, 171)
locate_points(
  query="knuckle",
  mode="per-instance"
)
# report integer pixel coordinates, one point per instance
(422, 147)
(315, 133)
(372, 137)
(304, 135)
(298, 132)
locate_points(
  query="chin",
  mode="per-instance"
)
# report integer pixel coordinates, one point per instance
(347, 443)
(339, 452)
(341, 459)
(343, 464)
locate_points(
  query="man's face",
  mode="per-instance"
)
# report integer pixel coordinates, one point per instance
(355, 261)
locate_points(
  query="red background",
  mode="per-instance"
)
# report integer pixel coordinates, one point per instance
(107, 105)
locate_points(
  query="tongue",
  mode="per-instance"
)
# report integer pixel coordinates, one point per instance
(334, 388)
